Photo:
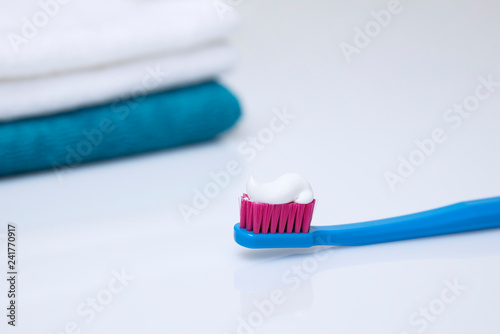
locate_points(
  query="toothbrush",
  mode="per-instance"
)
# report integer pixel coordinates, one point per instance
(278, 215)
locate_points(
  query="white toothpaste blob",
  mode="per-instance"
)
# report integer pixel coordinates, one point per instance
(285, 189)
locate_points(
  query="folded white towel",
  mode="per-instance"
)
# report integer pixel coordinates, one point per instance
(42, 37)
(70, 90)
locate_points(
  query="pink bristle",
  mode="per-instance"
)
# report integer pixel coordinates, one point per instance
(299, 218)
(249, 218)
(266, 219)
(243, 210)
(308, 212)
(275, 218)
(292, 210)
(257, 217)
(283, 218)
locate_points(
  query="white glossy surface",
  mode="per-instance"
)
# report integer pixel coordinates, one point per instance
(351, 123)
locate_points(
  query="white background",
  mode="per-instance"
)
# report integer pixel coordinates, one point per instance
(351, 123)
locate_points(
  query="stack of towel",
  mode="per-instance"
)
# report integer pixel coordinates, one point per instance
(83, 81)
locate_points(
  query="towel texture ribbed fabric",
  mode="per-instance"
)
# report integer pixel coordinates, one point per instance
(136, 125)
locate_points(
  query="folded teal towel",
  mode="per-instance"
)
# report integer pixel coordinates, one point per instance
(142, 124)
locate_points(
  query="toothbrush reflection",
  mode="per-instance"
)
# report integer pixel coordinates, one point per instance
(282, 286)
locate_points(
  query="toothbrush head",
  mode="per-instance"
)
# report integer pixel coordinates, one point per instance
(265, 225)
(275, 218)
(276, 214)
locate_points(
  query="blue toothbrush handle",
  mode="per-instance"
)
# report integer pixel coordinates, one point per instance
(461, 217)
